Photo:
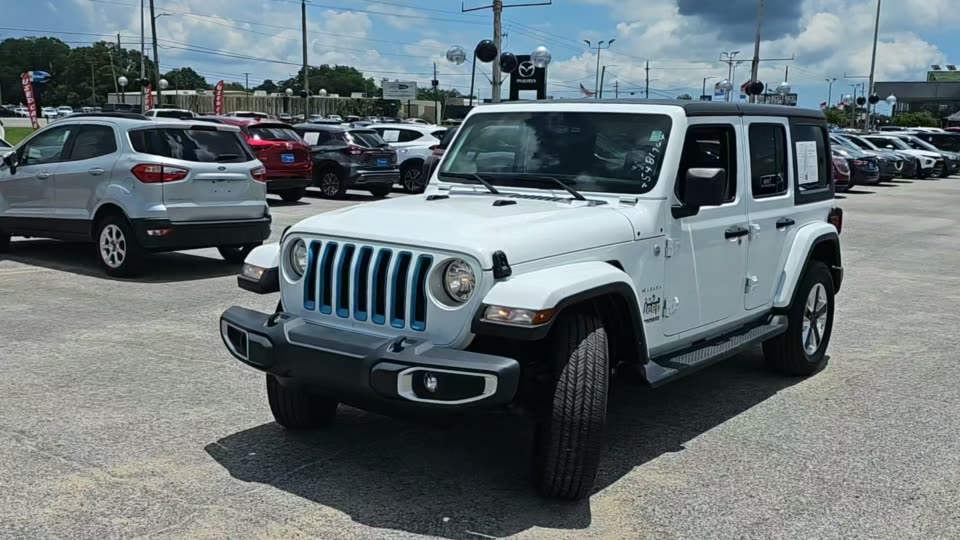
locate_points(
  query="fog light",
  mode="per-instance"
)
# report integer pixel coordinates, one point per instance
(525, 317)
(430, 382)
(158, 232)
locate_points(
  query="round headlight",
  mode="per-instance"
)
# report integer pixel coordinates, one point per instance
(459, 280)
(298, 257)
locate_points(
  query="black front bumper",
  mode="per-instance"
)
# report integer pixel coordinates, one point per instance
(385, 374)
(276, 185)
(164, 235)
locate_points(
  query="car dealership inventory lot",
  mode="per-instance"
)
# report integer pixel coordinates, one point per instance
(123, 415)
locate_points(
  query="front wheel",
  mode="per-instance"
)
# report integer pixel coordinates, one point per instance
(802, 349)
(120, 254)
(380, 191)
(569, 436)
(412, 177)
(294, 407)
(330, 183)
(236, 254)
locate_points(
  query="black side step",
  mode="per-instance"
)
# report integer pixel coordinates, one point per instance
(699, 356)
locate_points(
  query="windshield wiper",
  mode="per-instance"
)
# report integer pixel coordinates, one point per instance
(473, 176)
(576, 194)
(226, 157)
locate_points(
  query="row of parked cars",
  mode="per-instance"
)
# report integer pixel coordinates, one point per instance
(866, 158)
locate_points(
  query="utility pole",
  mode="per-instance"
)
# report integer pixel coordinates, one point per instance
(143, 65)
(755, 65)
(873, 65)
(246, 81)
(598, 48)
(306, 78)
(498, 7)
(853, 113)
(616, 89)
(603, 73)
(93, 84)
(646, 86)
(156, 57)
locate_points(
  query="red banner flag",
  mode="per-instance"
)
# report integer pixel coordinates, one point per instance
(149, 97)
(26, 81)
(218, 99)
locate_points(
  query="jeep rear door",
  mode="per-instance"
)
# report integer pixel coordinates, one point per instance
(769, 205)
(207, 171)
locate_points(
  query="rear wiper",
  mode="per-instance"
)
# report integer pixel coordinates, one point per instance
(226, 157)
(576, 194)
(473, 176)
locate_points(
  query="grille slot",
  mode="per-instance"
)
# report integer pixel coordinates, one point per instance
(367, 283)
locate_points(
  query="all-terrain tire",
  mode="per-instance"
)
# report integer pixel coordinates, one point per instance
(236, 254)
(793, 352)
(294, 407)
(569, 436)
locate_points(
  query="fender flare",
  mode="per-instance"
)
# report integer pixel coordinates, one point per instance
(266, 257)
(558, 288)
(804, 243)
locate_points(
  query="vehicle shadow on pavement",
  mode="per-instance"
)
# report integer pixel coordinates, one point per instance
(280, 203)
(860, 192)
(470, 478)
(81, 258)
(351, 195)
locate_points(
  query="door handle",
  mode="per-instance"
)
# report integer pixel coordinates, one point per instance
(784, 223)
(96, 171)
(43, 175)
(735, 232)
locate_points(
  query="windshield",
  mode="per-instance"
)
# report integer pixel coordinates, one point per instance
(920, 144)
(950, 143)
(884, 141)
(605, 152)
(862, 143)
(273, 133)
(846, 143)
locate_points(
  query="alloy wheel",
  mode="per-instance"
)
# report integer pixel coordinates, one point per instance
(330, 184)
(113, 246)
(814, 319)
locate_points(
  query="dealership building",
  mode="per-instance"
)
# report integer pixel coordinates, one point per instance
(939, 94)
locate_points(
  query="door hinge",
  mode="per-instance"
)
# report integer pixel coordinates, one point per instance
(670, 247)
(751, 282)
(754, 230)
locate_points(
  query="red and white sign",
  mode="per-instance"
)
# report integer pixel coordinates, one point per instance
(26, 81)
(149, 97)
(218, 99)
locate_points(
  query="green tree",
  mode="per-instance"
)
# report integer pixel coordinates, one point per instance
(837, 117)
(186, 78)
(341, 80)
(267, 86)
(437, 94)
(914, 119)
(233, 86)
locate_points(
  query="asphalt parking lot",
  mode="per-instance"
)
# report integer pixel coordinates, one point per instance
(122, 415)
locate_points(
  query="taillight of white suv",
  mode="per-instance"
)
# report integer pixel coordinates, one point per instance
(152, 173)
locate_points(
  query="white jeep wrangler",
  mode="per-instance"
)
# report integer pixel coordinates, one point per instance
(558, 244)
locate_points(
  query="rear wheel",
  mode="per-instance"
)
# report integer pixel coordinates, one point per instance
(569, 436)
(330, 183)
(412, 177)
(802, 349)
(380, 191)
(118, 251)
(294, 407)
(4, 242)
(292, 195)
(236, 254)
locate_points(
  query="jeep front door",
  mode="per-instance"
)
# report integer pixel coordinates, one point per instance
(707, 252)
(769, 206)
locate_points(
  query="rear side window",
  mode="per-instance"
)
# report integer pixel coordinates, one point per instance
(316, 138)
(811, 162)
(366, 137)
(93, 141)
(438, 134)
(273, 133)
(710, 147)
(768, 160)
(191, 144)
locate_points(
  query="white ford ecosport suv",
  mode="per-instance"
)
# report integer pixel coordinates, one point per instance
(135, 186)
(558, 245)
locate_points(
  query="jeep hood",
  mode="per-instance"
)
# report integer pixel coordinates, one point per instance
(523, 229)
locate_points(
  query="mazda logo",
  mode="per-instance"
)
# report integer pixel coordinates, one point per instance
(526, 69)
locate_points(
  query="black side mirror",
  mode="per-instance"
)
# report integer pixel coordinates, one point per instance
(11, 161)
(701, 187)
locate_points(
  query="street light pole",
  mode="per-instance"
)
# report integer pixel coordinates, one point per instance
(873, 65)
(703, 90)
(306, 78)
(755, 65)
(598, 48)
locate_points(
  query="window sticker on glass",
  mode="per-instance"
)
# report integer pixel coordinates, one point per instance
(807, 164)
(391, 135)
(311, 137)
(656, 135)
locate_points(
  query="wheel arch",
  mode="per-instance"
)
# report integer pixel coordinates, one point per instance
(600, 286)
(819, 242)
(104, 210)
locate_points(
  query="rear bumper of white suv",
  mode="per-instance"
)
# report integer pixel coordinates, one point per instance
(165, 235)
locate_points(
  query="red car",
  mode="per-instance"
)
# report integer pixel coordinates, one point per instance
(283, 153)
(842, 179)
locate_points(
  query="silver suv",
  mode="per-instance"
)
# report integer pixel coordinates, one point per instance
(135, 186)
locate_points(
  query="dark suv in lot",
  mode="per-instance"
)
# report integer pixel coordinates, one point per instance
(349, 158)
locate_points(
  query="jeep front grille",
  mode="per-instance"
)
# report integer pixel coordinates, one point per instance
(367, 283)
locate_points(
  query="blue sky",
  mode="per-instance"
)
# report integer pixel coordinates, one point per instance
(682, 39)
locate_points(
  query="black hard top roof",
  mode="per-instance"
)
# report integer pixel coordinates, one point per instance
(707, 108)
